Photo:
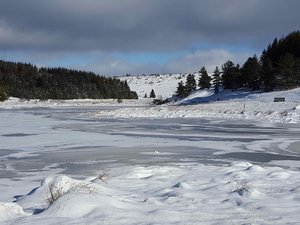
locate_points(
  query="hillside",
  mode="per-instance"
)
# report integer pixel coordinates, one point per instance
(164, 85)
(27, 81)
(237, 105)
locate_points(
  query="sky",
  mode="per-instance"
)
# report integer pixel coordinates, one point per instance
(117, 37)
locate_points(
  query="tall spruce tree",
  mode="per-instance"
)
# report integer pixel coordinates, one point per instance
(190, 84)
(181, 90)
(269, 81)
(152, 94)
(280, 63)
(250, 73)
(204, 80)
(216, 80)
(231, 75)
(288, 71)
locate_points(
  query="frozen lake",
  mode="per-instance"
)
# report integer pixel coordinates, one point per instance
(71, 140)
(40, 142)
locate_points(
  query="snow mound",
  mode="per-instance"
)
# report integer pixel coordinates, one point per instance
(255, 168)
(204, 94)
(51, 189)
(10, 211)
(72, 205)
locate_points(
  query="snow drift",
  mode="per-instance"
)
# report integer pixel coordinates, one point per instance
(239, 193)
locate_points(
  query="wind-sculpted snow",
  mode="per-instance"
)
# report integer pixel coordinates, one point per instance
(11, 211)
(182, 193)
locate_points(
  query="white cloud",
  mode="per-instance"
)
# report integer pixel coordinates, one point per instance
(110, 65)
(116, 67)
(209, 58)
(191, 62)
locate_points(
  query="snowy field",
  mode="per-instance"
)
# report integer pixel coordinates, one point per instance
(163, 85)
(80, 162)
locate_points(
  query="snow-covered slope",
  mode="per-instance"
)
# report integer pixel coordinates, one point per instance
(241, 104)
(163, 85)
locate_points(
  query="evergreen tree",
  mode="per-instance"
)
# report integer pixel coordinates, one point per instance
(289, 44)
(181, 90)
(152, 94)
(288, 71)
(280, 63)
(268, 77)
(217, 80)
(204, 80)
(145, 96)
(250, 73)
(190, 84)
(230, 76)
(3, 95)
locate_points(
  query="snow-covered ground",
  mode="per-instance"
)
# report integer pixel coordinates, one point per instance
(241, 193)
(163, 85)
(16, 103)
(241, 104)
(231, 105)
(61, 165)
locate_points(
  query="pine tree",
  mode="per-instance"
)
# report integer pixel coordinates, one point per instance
(3, 95)
(268, 77)
(231, 75)
(250, 73)
(145, 96)
(181, 90)
(152, 94)
(190, 84)
(280, 63)
(288, 71)
(216, 80)
(204, 80)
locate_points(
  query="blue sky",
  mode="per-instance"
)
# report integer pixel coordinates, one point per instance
(141, 36)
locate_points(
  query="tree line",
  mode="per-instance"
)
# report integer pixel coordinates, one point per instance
(278, 68)
(24, 80)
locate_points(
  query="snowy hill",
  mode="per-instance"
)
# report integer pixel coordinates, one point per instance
(242, 95)
(226, 104)
(164, 85)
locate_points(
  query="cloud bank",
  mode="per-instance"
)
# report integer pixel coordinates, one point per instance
(75, 27)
